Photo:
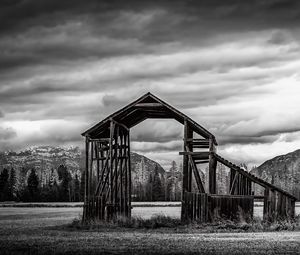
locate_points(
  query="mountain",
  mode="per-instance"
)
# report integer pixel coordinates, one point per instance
(47, 159)
(142, 167)
(143, 172)
(283, 171)
(43, 159)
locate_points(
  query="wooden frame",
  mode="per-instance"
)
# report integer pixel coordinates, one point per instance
(108, 169)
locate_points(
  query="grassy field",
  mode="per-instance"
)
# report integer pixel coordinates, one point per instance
(44, 231)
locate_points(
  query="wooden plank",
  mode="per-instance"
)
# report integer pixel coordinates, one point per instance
(212, 174)
(233, 183)
(201, 161)
(121, 153)
(86, 195)
(129, 174)
(196, 154)
(91, 169)
(101, 180)
(125, 177)
(197, 176)
(116, 161)
(266, 205)
(184, 206)
(148, 105)
(112, 128)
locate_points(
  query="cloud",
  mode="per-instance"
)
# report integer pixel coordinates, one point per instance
(7, 133)
(233, 66)
(157, 130)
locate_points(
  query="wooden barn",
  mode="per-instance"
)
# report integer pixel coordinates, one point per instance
(108, 174)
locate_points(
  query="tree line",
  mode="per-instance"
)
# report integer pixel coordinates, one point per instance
(61, 189)
(159, 187)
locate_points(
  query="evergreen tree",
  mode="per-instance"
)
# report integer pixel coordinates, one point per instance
(65, 177)
(32, 184)
(54, 192)
(170, 188)
(157, 189)
(82, 186)
(149, 187)
(12, 184)
(4, 189)
(51, 178)
(76, 189)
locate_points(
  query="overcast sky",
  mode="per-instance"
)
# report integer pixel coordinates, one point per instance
(233, 66)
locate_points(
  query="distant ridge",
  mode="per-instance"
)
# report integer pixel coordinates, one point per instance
(46, 158)
(283, 171)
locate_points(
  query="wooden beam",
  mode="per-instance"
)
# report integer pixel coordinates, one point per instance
(196, 173)
(98, 161)
(252, 177)
(121, 175)
(91, 169)
(195, 153)
(129, 174)
(112, 129)
(212, 167)
(86, 190)
(116, 159)
(101, 177)
(120, 124)
(233, 183)
(185, 171)
(146, 105)
(201, 161)
(126, 176)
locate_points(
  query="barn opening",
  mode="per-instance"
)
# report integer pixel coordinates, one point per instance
(108, 175)
(156, 168)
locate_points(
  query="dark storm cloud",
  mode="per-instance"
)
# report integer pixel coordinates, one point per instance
(254, 139)
(25, 24)
(64, 65)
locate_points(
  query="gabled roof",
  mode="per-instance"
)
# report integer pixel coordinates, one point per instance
(147, 106)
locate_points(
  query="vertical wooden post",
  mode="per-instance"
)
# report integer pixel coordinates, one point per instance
(98, 161)
(125, 175)
(91, 168)
(266, 204)
(129, 175)
(116, 157)
(186, 170)
(292, 212)
(111, 137)
(212, 168)
(86, 188)
(121, 153)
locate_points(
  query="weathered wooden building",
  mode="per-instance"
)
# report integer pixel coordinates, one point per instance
(108, 173)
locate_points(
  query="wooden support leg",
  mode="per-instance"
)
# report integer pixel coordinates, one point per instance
(129, 175)
(187, 173)
(86, 188)
(212, 174)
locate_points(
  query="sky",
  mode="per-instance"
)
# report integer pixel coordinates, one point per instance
(233, 66)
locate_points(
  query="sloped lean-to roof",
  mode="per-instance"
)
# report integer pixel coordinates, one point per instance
(147, 106)
(253, 177)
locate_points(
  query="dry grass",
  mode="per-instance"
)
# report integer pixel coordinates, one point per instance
(165, 222)
(48, 231)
